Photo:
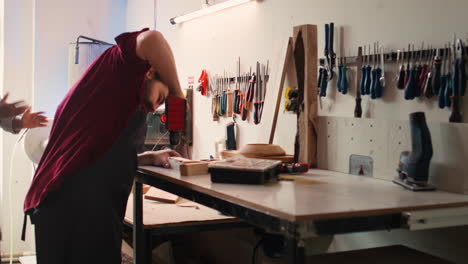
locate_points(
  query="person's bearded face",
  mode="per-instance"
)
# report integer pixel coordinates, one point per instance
(156, 93)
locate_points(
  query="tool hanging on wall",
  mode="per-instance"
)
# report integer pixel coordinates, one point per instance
(459, 80)
(436, 73)
(330, 55)
(359, 83)
(449, 82)
(257, 95)
(368, 80)
(362, 83)
(203, 81)
(238, 80)
(401, 72)
(382, 81)
(263, 91)
(427, 90)
(412, 82)
(249, 96)
(231, 135)
(376, 89)
(443, 81)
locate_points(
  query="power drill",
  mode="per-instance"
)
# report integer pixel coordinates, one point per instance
(175, 114)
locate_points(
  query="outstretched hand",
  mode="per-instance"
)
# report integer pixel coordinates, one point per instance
(157, 158)
(33, 120)
(8, 111)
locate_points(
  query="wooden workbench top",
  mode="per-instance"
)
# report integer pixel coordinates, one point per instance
(320, 195)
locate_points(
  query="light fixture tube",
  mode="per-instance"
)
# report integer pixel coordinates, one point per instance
(208, 10)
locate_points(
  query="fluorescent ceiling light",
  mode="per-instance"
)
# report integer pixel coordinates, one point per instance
(208, 10)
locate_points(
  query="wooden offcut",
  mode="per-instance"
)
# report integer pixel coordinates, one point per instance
(194, 168)
(161, 196)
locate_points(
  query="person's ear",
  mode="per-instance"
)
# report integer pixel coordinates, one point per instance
(149, 74)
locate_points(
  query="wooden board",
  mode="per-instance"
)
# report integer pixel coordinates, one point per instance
(305, 53)
(194, 168)
(340, 195)
(156, 194)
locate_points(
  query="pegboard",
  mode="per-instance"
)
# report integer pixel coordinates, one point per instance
(384, 140)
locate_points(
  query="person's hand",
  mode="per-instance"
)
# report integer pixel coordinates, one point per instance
(33, 120)
(157, 158)
(8, 111)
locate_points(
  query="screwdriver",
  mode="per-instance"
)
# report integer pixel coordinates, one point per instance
(411, 85)
(408, 69)
(376, 90)
(428, 83)
(449, 82)
(324, 84)
(436, 81)
(368, 80)
(344, 78)
(236, 91)
(257, 94)
(401, 71)
(417, 87)
(443, 81)
(458, 52)
(362, 84)
(422, 76)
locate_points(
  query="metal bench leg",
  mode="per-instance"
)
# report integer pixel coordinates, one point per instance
(295, 251)
(139, 246)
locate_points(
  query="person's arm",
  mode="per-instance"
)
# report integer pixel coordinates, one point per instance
(153, 47)
(157, 158)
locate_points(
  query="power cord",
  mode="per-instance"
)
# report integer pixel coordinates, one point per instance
(254, 253)
(10, 203)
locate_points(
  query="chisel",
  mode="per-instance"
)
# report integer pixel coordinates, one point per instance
(257, 94)
(428, 83)
(368, 79)
(401, 72)
(344, 78)
(436, 81)
(362, 84)
(411, 85)
(443, 81)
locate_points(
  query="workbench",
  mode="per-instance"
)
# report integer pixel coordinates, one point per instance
(317, 203)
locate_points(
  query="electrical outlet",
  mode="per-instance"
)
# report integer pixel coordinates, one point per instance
(361, 165)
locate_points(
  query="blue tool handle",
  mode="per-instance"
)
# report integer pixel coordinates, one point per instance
(462, 76)
(373, 83)
(436, 76)
(378, 86)
(459, 77)
(441, 99)
(320, 78)
(416, 87)
(456, 77)
(340, 76)
(344, 80)
(401, 78)
(411, 85)
(362, 84)
(368, 80)
(327, 43)
(448, 91)
(324, 84)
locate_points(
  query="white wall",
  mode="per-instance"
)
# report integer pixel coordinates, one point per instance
(60, 22)
(18, 60)
(140, 14)
(259, 31)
